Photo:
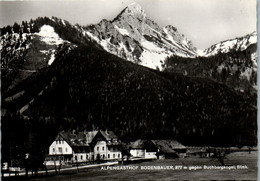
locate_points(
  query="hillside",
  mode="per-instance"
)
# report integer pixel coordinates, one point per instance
(236, 69)
(89, 88)
(31, 46)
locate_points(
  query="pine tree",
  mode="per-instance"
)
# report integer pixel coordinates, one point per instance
(16, 27)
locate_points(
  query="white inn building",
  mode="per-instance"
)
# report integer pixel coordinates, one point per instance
(84, 147)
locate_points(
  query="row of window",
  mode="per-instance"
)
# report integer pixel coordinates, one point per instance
(60, 150)
(81, 157)
(109, 148)
(114, 155)
(59, 142)
(87, 157)
(101, 156)
(103, 148)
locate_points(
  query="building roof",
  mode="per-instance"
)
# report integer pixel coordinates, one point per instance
(168, 146)
(193, 149)
(138, 144)
(108, 135)
(143, 144)
(85, 138)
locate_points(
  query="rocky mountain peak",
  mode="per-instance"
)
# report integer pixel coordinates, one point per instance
(136, 10)
(134, 37)
(132, 11)
(237, 44)
(170, 28)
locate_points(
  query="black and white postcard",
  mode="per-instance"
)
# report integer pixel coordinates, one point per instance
(128, 90)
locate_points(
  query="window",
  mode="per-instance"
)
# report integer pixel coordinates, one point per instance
(60, 149)
(76, 158)
(103, 156)
(108, 155)
(87, 156)
(103, 148)
(81, 157)
(66, 149)
(114, 155)
(97, 148)
(118, 155)
(53, 149)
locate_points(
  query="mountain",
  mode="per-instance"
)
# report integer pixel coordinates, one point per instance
(237, 44)
(134, 37)
(31, 46)
(232, 62)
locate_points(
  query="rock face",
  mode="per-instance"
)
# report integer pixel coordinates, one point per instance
(134, 37)
(237, 44)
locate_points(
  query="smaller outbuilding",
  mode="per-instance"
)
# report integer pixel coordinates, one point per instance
(143, 149)
(157, 149)
(170, 148)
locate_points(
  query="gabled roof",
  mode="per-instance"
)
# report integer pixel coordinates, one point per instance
(79, 139)
(86, 138)
(138, 144)
(197, 150)
(168, 146)
(148, 145)
(90, 135)
(108, 135)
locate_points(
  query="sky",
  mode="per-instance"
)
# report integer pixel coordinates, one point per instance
(204, 22)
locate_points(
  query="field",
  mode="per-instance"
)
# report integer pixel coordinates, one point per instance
(247, 171)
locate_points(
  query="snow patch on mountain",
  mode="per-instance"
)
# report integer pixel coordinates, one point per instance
(152, 59)
(105, 43)
(92, 36)
(253, 38)
(49, 36)
(122, 30)
(51, 60)
(150, 46)
(200, 52)
(63, 22)
(237, 44)
(44, 51)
